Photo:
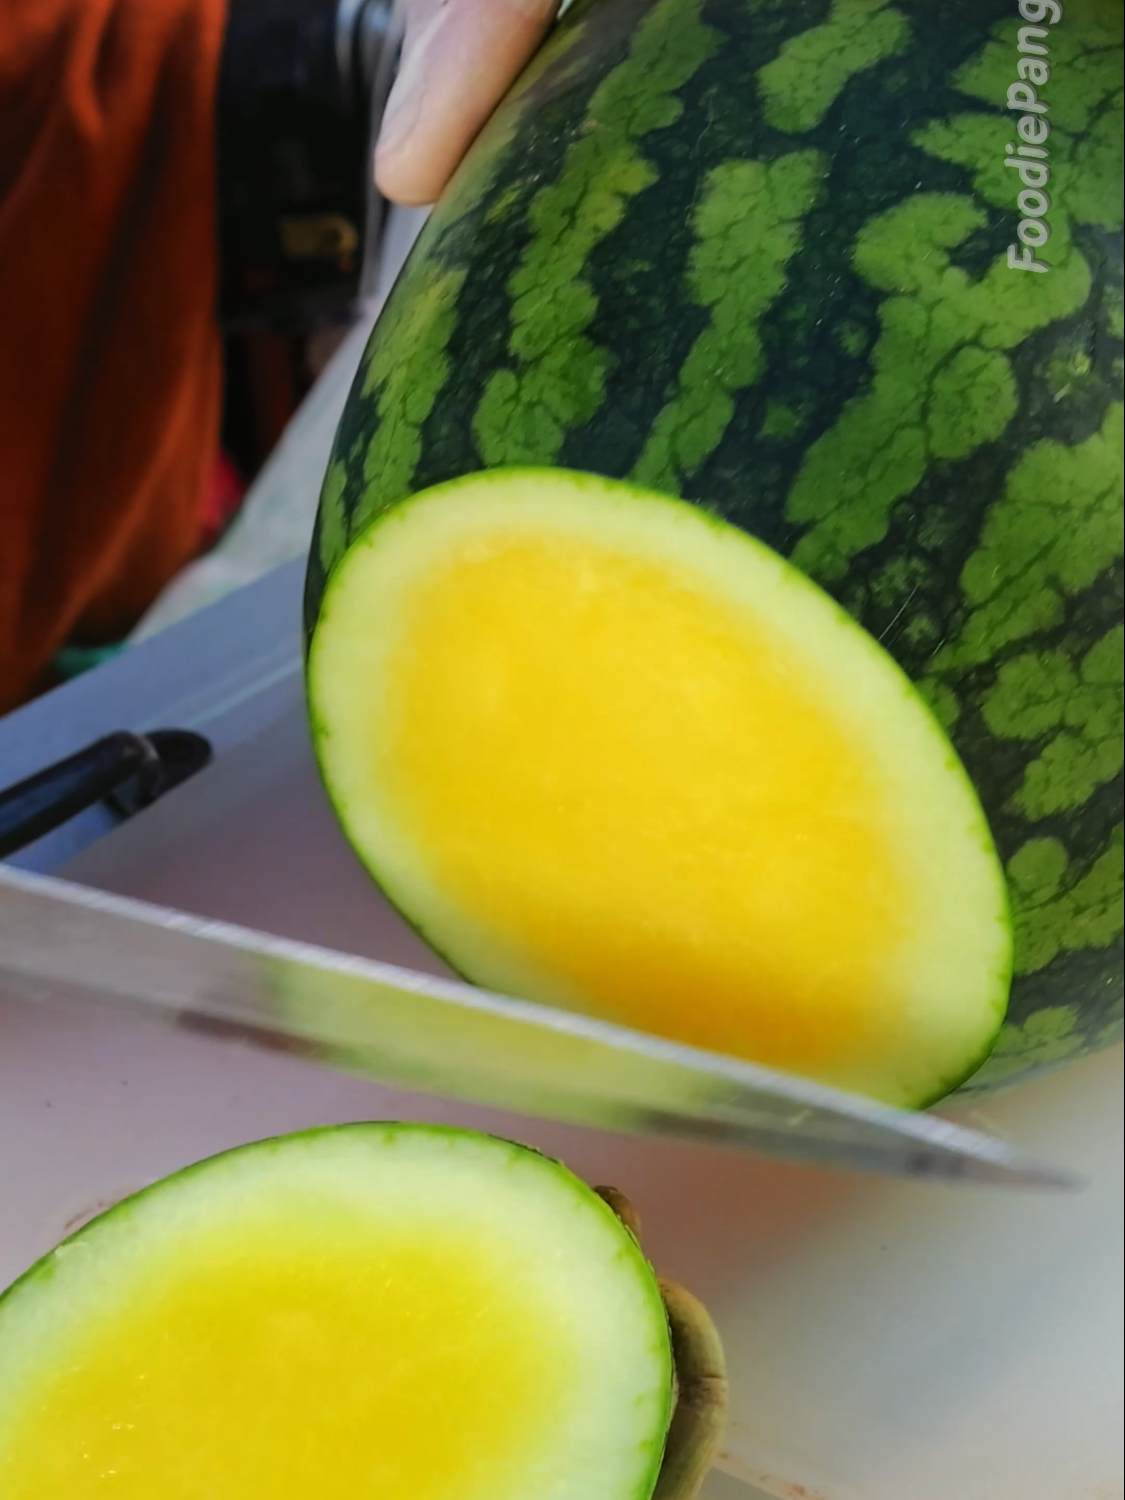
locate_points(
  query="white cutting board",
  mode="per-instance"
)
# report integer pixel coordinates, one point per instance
(887, 1341)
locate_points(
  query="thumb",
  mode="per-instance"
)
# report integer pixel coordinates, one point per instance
(458, 59)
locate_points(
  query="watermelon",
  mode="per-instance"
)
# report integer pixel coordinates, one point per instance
(841, 279)
(370, 1311)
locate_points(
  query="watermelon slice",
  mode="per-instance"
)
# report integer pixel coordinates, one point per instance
(367, 1312)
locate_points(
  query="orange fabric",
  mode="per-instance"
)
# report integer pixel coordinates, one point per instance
(110, 380)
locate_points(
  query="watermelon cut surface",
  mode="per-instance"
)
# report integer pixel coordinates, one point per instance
(368, 1312)
(760, 259)
(618, 756)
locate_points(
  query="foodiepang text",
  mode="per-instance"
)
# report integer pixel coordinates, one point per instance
(1031, 158)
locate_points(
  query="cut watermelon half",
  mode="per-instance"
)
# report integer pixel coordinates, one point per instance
(367, 1312)
(610, 753)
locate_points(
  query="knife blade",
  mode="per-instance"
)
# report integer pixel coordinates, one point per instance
(69, 943)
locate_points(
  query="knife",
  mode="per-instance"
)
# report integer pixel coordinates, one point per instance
(70, 943)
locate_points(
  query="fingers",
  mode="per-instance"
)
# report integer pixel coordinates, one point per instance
(622, 1208)
(700, 1417)
(459, 58)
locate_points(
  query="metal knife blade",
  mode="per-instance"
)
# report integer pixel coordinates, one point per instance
(60, 941)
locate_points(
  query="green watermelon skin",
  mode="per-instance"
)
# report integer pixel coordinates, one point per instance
(756, 255)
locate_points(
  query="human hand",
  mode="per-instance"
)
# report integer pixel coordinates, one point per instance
(699, 1418)
(459, 58)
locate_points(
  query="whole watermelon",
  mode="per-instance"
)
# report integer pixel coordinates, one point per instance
(848, 274)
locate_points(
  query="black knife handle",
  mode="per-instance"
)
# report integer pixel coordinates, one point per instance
(146, 766)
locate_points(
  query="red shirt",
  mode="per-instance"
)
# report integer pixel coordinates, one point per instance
(110, 379)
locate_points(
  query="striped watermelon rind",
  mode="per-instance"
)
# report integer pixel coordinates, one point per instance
(933, 437)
